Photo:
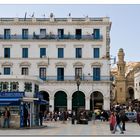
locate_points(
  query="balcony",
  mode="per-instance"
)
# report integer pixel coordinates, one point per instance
(73, 78)
(51, 37)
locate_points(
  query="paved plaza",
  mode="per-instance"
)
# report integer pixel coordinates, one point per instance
(67, 129)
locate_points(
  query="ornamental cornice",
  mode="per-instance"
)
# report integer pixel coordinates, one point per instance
(60, 64)
(78, 64)
(53, 23)
(94, 64)
(7, 64)
(42, 63)
(25, 64)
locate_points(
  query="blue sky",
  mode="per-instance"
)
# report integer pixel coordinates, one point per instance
(125, 31)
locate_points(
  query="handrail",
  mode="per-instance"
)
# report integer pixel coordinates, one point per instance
(52, 36)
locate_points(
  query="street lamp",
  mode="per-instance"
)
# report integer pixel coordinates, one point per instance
(92, 101)
(78, 82)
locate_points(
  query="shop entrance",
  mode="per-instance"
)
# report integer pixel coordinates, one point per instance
(96, 100)
(78, 101)
(44, 107)
(60, 101)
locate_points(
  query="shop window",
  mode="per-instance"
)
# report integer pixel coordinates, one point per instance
(14, 86)
(36, 90)
(27, 87)
(4, 86)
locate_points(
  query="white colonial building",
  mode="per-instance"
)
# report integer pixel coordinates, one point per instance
(71, 56)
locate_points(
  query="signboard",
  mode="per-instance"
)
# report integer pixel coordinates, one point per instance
(12, 94)
(21, 116)
(38, 95)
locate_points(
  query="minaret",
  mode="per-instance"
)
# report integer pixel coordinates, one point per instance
(121, 63)
(120, 79)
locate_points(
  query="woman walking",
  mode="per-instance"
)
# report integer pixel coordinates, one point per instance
(112, 121)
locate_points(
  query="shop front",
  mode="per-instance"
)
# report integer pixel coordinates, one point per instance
(11, 101)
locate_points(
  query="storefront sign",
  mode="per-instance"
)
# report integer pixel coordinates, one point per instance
(12, 94)
(21, 116)
(38, 95)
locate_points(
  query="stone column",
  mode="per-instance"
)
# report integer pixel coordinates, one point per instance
(87, 101)
(69, 103)
(106, 103)
(51, 104)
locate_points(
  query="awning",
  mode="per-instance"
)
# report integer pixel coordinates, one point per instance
(9, 101)
(25, 99)
(43, 102)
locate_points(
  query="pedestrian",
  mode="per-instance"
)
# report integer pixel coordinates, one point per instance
(25, 116)
(6, 116)
(40, 117)
(123, 119)
(118, 121)
(28, 120)
(138, 118)
(112, 121)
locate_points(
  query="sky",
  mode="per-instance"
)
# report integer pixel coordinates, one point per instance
(125, 18)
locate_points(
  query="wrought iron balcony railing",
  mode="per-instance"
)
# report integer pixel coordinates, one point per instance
(73, 78)
(50, 37)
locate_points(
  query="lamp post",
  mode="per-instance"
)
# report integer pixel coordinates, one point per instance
(78, 82)
(92, 100)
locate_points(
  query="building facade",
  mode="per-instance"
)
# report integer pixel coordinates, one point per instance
(71, 56)
(137, 84)
(123, 87)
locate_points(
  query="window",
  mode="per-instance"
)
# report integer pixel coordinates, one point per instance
(60, 52)
(42, 73)
(60, 33)
(78, 72)
(14, 86)
(78, 33)
(96, 74)
(96, 34)
(24, 52)
(42, 33)
(60, 74)
(25, 71)
(24, 33)
(5, 86)
(7, 71)
(27, 87)
(36, 88)
(78, 52)
(42, 52)
(6, 52)
(7, 34)
(96, 52)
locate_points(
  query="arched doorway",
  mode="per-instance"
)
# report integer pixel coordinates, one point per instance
(96, 100)
(78, 101)
(45, 95)
(60, 101)
(131, 93)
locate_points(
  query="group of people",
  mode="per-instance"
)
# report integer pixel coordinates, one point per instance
(116, 118)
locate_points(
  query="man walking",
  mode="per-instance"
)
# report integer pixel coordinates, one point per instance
(6, 116)
(118, 121)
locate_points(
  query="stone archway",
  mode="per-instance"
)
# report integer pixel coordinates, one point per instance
(60, 101)
(96, 100)
(78, 101)
(130, 93)
(45, 95)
